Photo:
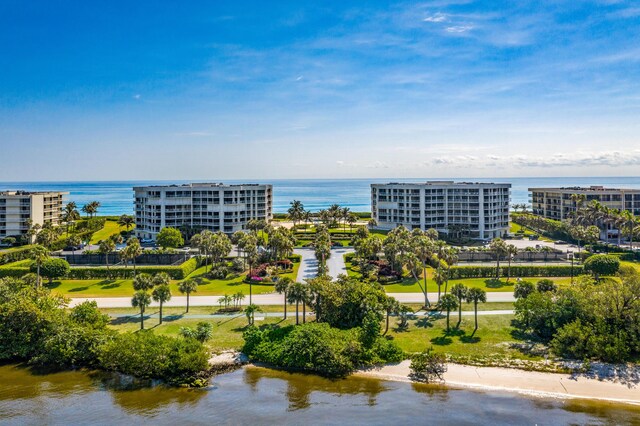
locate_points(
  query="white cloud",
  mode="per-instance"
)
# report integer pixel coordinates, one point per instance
(459, 29)
(438, 17)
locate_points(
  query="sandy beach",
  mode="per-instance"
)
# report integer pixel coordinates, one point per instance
(618, 389)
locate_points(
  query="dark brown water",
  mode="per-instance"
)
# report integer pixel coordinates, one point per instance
(258, 396)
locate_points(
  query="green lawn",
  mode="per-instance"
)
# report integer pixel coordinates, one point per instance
(491, 342)
(409, 285)
(124, 288)
(110, 228)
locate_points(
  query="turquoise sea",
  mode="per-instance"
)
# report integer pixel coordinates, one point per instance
(117, 196)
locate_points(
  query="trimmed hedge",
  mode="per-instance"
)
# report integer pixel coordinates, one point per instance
(175, 272)
(16, 254)
(295, 258)
(459, 272)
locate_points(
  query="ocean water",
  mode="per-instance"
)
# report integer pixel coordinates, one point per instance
(117, 197)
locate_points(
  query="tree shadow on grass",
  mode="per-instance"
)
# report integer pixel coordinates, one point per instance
(442, 340)
(127, 320)
(173, 317)
(424, 322)
(76, 289)
(469, 339)
(53, 285)
(110, 285)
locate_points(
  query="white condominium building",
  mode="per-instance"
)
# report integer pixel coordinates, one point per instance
(18, 207)
(560, 203)
(212, 206)
(475, 210)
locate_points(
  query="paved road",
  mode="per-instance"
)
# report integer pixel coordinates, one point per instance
(308, 264)
(336, 261)
(173, 317)
(266, 299)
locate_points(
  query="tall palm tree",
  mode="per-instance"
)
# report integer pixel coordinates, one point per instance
(440, 277)
(476, 295)
(69, 215)
(512, 252)
(106, 247)
(187, 287)
(161, 294)
(629, 225)
(297, 293)
(448, 303)
(143, 282)
(39, 254)
(296, 212)
(126, 221)
(460, 292)
(132, 251)
(499, 249)
(141, 300)
(391, 305)
(282, 285)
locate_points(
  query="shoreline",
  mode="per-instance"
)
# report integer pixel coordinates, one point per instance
(531, 383)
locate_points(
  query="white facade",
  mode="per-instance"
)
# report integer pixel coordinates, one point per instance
(212, 206)
(18, 207)
(475, 210)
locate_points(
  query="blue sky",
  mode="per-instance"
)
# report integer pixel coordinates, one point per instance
(223, 90)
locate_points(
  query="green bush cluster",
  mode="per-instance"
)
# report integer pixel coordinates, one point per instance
(599, 320)
(15, 254)
(36, 328)
(460, 272)
(317, 348)
(175, 272)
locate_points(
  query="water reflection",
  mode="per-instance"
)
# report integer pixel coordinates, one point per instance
(299, 387)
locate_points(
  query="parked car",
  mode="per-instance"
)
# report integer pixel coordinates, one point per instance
(560, 242)
(74, 248)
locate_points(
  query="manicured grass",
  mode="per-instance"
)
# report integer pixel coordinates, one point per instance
(227, 332)
(491, 342)
(19, 263)
(110, 228)
(124, 288)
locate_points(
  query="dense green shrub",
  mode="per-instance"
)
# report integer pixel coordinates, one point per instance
(15, 254)
(317, 348)
(602, 264)
(175, 272)
(146, 355)
(53, 268)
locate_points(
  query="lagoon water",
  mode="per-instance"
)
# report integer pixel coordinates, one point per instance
(260, 396)
(117, 197)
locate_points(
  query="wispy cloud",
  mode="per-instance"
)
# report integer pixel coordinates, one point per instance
(438, 17)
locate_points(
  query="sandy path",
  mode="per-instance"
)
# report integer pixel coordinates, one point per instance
(526, 382)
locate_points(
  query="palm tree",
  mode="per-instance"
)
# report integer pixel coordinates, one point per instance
(74, 241)
(391, 306)
(143, 282)
(162, 294)
(281, 286)
(460, 292)
(476, 295)
(440, 277)
(187, 287)
(352, 219)
(161, 278)
(297, 293)
(296, 212)
(448, 303)
(512, 252)
(629, 224)
(106, 247)
(126, 221)
(250, 311)
(141, 300)
(499, 249)
(450, 257)
(95, 205)
(70, 214)
(132, 251)
(39, 254)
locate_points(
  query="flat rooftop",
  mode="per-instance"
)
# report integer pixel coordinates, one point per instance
(593, 188)
(202, 185)
(26, 193)
(441, 183)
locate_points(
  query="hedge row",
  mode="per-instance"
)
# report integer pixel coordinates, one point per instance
(15, 254)
(86, 273)
(460, 272)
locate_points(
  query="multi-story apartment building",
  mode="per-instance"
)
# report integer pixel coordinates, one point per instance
(18, 207)
(560, 203)
(475, 210)
(212, 206)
